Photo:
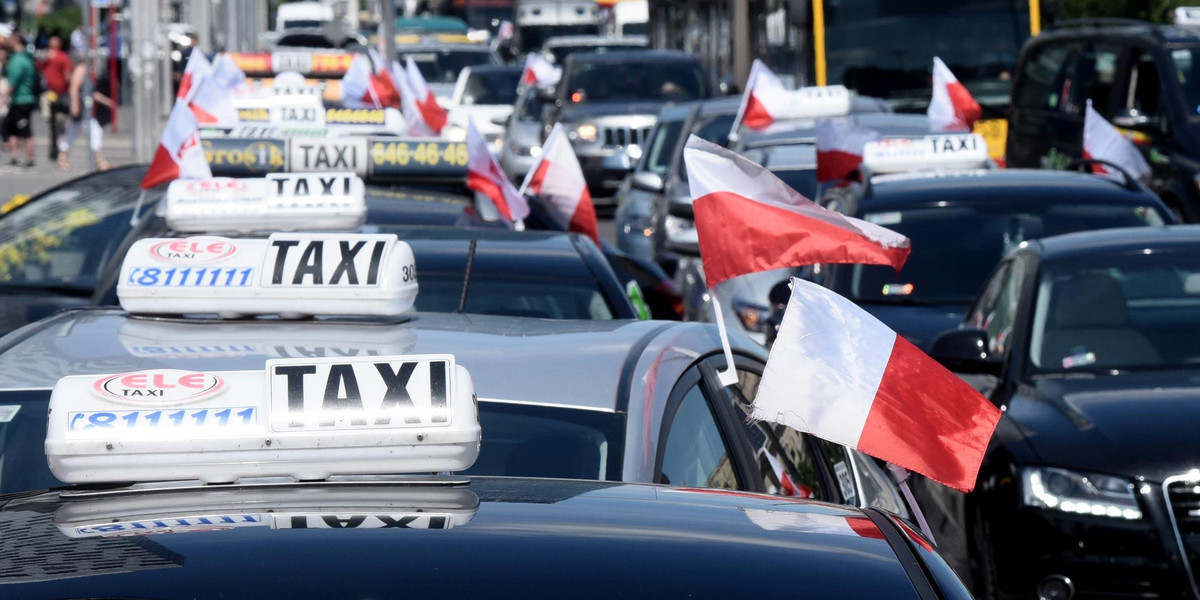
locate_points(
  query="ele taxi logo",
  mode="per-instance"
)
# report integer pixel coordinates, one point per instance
(194, 250)
(159, 387)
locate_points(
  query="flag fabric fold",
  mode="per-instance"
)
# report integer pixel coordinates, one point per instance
(485, 176)
(194, 72)
(840, 148)
(837, 372)
(179, 154)
(538, 72)
(766, 100)
(747, 220)
(365, 86)
(952, 106)
(211, 100)
(432, 115)
(557, 181)
(1102, 141)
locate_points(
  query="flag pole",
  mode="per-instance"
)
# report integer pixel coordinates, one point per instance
(901, 475)
(137, 208)
(729, 376)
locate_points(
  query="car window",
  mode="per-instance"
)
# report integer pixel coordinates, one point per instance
(1186, 62)
(523, 440)
(658, 156)
(997, 307)
(783, 458)
(1144, 86)
(695, 453)
(443, 66)
(1097, 77)
(637, 80)
(1042, 78)
(492, 88)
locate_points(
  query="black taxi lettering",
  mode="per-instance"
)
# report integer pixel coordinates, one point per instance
(300, 186)
(341, 157)
(953, 144)
(370, 521)
(343, 399)
(312, 263)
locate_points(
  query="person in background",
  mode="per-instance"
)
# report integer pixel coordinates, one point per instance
(56, 70)
(101, 115)
(78, 40)
(20, 72)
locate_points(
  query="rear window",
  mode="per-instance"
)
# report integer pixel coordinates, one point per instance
(637, 81)
(521, 440)
(443, 66)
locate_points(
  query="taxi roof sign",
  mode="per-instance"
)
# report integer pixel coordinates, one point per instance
(931, 152)
(287, 275)
(814, 102)
(308, 419)
(279, 201)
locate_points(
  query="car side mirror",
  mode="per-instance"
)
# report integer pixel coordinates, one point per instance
(1132, 118)
(964, 351)
(648, 181)
(500, 121)
(684, 243)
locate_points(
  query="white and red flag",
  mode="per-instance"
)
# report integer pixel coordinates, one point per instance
(766, 100)
(433, 115)
(211, 101)
(557, 181)
(485, 176)
(538, 72)
(840, 148)
(952, 106)
(179, 154)
(365, 87)
(747, 220)
(1102, 141)
(504, 33)
(194, 72)
(837, 372)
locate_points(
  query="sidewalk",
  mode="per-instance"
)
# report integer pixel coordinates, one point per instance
(118, 149)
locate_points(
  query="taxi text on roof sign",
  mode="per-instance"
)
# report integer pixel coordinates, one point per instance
(289, 275)
(280, 201)
(379, 159)
(932, 152)
(302, 418)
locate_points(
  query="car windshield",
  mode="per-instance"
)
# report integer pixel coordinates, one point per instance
(532, 108)
(801, 180)
(955, 247)
(1130, 311)
(559, 54)
(514, 295)
(524, 440)
(64, 239)
(658, 155)
(492, 87)
(1187, 71)
(443, 65)
(634, 81)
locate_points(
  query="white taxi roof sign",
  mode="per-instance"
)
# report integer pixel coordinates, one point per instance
(288, 275)
(279, 202)
(931, 152)
(819, 101)
(308, 419)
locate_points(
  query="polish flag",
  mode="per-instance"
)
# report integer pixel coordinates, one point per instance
(179, 154)
(538, 72)
(212, 99)
(557, 181)
(485, 176)
(747, 220)
(952, 106)
(838, 373)
(1102, 141)
(808, 522)
(766, 100)
(433, 115)
(840, 148)
(503, 33)
(786, 485)
(363, 87)
(196, 70)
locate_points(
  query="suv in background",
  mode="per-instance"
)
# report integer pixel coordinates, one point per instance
(1143, 78)
(608, 102)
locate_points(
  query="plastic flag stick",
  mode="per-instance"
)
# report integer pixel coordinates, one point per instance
(900, 474)
(729, 376)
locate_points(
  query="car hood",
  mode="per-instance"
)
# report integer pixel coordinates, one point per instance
(1132, 424)
(918, 323)
(593, 110)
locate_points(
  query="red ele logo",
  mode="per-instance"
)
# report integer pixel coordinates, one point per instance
(194, 250)
(161, 387)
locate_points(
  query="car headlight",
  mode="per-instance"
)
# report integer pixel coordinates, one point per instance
(754, 318)
(640, 225)
(455, 133)
(634, 151)
(1079, 493)
(585, 132)
(675, 226)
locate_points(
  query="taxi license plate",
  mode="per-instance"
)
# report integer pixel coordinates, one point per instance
(359, 393)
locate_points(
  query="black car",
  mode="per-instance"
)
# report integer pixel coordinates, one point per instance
(960, 224)
(1143, 78)
(608, 103)
(482, 538)
(1089, 342)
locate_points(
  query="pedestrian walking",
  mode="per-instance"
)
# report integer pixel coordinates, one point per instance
(21, 74)
(100, 116)
(56, 70)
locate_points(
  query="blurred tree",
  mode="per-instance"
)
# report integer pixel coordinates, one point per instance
(1156, 11)
(62, 21)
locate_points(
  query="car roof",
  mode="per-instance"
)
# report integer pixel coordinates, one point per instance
(513, 359)
(615, 56)
(498, 252)
(1118, 241)
(568, 538)
(487, 69)
(596, 40)
(1001, 185)
(1121, 28)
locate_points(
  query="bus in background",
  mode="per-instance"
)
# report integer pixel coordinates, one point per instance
(485, 14)
(628, 17)
(885, 49)
(540, 20)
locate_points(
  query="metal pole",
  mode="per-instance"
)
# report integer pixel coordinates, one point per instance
(201, 13)
(85, 92)
(114, 53)
(145, 73)
(741, 41)
(387, 29)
